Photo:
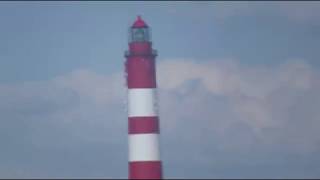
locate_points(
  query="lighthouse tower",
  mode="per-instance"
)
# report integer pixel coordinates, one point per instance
(143, 121)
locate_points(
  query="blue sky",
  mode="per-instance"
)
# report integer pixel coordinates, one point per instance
(238, 85)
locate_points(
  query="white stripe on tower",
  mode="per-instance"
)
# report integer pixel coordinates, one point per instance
(142, 102)
(144, 147)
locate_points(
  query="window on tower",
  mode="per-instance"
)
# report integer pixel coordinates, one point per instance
(139, 35)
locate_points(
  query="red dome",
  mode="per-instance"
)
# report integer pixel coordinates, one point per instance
(139, 23)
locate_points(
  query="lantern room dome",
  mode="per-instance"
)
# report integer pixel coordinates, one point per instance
(139, 23)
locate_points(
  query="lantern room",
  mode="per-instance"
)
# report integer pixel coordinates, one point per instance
(139, 31)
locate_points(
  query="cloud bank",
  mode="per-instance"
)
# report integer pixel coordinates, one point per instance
(219, 119)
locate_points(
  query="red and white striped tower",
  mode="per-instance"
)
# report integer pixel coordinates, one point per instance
(143, 122)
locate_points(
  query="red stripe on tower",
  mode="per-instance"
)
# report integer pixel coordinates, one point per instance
(143, 121)
(143, 125)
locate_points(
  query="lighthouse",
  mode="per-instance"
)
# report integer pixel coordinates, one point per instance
(143, 120)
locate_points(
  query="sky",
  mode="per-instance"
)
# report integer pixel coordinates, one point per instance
(238, 88)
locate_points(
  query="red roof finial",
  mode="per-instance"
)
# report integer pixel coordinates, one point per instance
(139, 23)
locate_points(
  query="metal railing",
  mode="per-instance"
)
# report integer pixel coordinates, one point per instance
(153, 53)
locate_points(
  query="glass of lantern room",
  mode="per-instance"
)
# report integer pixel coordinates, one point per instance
(141, 34)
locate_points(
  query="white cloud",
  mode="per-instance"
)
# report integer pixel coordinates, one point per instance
(102, 89)
(252, 92)
(213, 108)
